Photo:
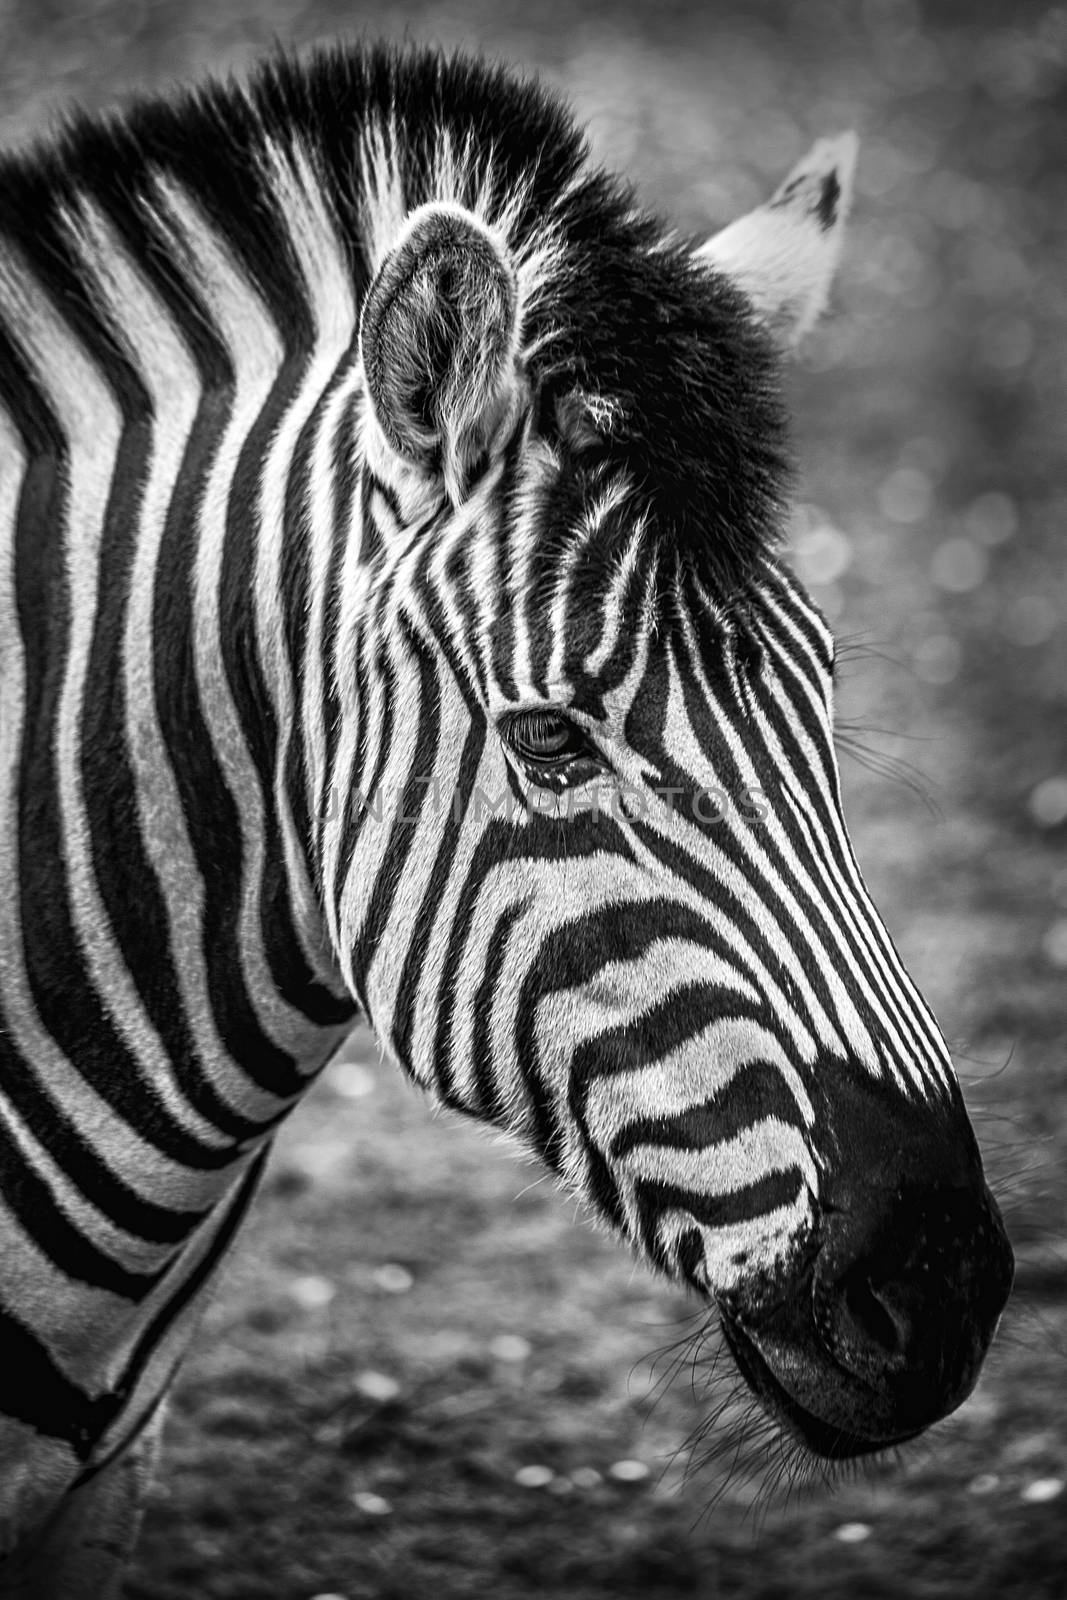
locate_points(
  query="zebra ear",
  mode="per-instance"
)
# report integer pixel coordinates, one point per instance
(785, 253)
(438, 339)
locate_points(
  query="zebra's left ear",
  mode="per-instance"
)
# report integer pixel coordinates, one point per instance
(438, 338)
(785, 253)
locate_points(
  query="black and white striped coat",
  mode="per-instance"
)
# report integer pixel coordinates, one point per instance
(391, 620)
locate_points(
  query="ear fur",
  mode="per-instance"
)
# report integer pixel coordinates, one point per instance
(438, 338)
(785, 253)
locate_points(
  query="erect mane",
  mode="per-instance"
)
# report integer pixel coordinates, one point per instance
(615, 308)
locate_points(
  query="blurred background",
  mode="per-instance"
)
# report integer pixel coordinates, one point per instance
(422, 1371)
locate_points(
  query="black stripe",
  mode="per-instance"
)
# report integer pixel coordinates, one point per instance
(747, 1204)
(354, 793)
(756, 1093)
(503, 639)
(38, 1213)
(407, 991)
(412, 799)
(48, 1122)
(461, 590)
(489, 1100)
(235, 1211)
(296, 588)
(34, 1390)
(346, 481)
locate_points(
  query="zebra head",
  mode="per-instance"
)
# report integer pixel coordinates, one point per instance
(592, 880)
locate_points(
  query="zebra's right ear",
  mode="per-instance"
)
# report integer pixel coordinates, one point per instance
(785, 253)
(438, 338)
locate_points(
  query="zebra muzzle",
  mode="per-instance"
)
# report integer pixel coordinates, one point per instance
(886, 1329)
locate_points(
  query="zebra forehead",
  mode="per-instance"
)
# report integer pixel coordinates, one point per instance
(616, 568)
(660, 396)
(689, 390)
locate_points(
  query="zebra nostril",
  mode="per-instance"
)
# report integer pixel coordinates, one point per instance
(908, 1288)
(873, 1319)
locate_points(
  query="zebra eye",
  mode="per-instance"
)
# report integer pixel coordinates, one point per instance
(546, 738)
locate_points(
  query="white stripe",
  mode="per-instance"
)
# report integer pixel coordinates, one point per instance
(522, 543)
(328, 290)
(322, 514)
(561, 622)
(612, 609)
(768, 1147)
(735, 1252)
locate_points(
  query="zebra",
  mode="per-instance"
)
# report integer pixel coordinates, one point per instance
(394, 624)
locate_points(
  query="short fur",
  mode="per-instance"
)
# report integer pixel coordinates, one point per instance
(255, 573)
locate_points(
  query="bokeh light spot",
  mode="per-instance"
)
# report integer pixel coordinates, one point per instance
(992, 518)
(353, 1080)
(905, 495)
(371, 1505)
(1054, 943)
(1048, 801)
(1043, 1490)
(1030, 620)
(985, 1483)
(509, 1347)
(377, 1386)
(959, 565)
(534, 1476)
(823, 554)
(937, 659)
(628, 1471)
(312, 1293)
(393, 1278)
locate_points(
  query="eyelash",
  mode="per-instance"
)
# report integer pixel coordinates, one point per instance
(547, 739)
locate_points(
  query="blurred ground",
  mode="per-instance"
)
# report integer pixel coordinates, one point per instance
(420, 1373)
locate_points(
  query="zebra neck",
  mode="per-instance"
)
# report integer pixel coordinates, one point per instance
(160, 420)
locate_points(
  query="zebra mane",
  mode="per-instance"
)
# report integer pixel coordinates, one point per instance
(678, 383)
